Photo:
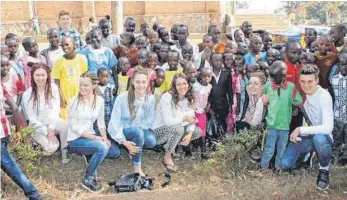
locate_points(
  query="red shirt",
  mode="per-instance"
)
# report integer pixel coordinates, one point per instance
(4, 122)
(293, 72)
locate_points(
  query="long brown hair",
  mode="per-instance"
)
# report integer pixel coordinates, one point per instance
(131, 92)
(94, 79)
(48, 88)
(173, 91)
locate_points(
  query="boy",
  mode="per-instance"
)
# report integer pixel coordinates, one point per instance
(267, 41)
(164, 35)
(316, 137)
(108, 40)
(153, 38)
(221, 94)
(66, 29)
(129, 25)
(246, 28)
(123, 79)
(163, 53)
(279, 96)
(17, 67)
(144, 28)
(203, 57)
(214, 31)
(338, 34)
(339, 86)
(54, 51)
(325, 59)
(228, 61)
(157, 83)
(12, 41)
(187, 52)
(141, 42)
(171, 68)
(182, 35)
(310, 38)
(190, 71)
(230, 47)
(255, 53)
(272, 55)
(173, 32)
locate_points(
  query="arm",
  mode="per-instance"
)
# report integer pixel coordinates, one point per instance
(152, 86)
(115, 128)
(327, 119)
(63, 102)
(55, 101)
(101, 117)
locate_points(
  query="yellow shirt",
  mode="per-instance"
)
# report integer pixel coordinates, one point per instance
(122, 83)
(68, 73)
(166, 85)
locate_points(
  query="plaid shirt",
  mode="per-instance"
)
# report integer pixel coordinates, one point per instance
(108, 101)
(339, 85)
(5, 126)
(75, 35)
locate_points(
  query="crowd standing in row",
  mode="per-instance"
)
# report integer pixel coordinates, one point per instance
(157, 89)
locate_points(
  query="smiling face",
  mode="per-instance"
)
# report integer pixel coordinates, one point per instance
(153, 61)
(271, 56)
(173, 59)
(228, 60)
(239, 36)
(68, 46)
(65, 21)
(308, 83)
(215, 33)
(255, 86)
(40, 77)
(182, 86)
(5, 51)
(164, 35)
(256, 44)
(217, 61)
(130, 26)
(294, 52)
(187, 51)
(140, 83)
(342, 64)
(12, 45)
(105, 28)
(192, 73)
(206, 76)
(309, 36)
(160, 78)
(86, 86)
(208, 42)
(230, 47)
(95, 38)
(53, 37)
(5, 65)
(104, 77)
(336, 34)
(153, 37)
(267, 41)
(141, 42)
(182, 34)
(144, 29)
(324, 45)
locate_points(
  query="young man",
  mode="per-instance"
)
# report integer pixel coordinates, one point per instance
(66, 29)
(317, 137)
(246, 28)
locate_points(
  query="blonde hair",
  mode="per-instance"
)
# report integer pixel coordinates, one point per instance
(64, 12)
(259, 74)
(95, 80)
(309, 69)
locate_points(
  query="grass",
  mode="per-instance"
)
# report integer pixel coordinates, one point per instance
(229, 174)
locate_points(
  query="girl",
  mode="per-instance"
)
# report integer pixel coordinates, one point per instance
(174, 119)
(123, 79)
(67, 71)
(29, 57)
(54, 51)
(201, 91)
(131, 119)
(42, 104)
(153, 61)
(84, 109)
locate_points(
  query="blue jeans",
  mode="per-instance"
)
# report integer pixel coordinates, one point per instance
(275, 138)
(99, 150)
(322, 144)
(10, 167)
(142, 138)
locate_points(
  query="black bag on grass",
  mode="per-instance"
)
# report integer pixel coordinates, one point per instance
(132, 183)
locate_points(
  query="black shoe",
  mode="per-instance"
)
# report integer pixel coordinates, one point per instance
(323, 180)
(91, 185)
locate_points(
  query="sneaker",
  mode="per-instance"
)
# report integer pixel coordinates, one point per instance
(323, 180)
(91, 185)
(64, 156)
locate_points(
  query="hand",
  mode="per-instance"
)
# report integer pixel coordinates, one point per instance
(265, 99)
(114, 92)
(186, 140)
(191, 120)
(131, 146)
(106, 141)
(51, 136)
(206, 54)
(294, 135)
(295, 111)
(63, 102)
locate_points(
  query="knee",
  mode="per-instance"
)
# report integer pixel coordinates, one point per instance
(178, 130)
(150, 141)
(102, 148)
(321, 141)
(113, 153)
(51, 148)
(138, 134)
(285, 164)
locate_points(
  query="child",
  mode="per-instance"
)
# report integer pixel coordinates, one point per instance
(160, 73)
(338, 34)
(230, 47)
(201, 92)
(141, 42)
(12, 41)
(67, 71)
(221, 94)
(16, 68)
(173, 32)
(279, 96)
(182, 34)
(171, 67)
(126, 44)
(267, 41)
(91, 23)
(156, 48)
(240, 82)
(163, 53)
(99, 56)
(339, 85)
(32, 55)
(144, 28)
(107, 92)
(264, 67)
(108, 40)
(214, 31)
(307, 58)
(153, 60)
(123, 79)
(203, 57)
(228, 61)
(54, 51)
(187, 52)
(255, 53)
(310, 39)
(164, 35)
(242, 48)
(15, 87)
(272, 55)
(190, 71)
(130, 24)
(153, 38)
(325, 59)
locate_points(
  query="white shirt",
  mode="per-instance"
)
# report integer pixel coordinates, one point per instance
(319, 108)
(42, 115)
(179, 50)
(111, 41)
(53, 56)
(201, 94)
(217, 77)
(82, 117)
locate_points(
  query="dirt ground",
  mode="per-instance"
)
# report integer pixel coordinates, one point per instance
(62, 181)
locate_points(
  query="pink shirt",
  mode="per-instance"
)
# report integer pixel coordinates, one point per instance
(24, 60)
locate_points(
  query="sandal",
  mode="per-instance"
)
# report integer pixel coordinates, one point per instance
(171, 168)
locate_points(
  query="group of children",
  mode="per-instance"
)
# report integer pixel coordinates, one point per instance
(220, 73)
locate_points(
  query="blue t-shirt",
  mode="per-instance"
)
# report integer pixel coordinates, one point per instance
(251, 59)
(100, 58)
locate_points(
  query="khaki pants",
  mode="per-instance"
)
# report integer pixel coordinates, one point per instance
(61, 129)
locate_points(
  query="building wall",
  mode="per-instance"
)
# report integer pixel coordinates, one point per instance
(197, 14)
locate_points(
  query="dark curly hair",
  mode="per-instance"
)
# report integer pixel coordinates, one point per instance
(173, 91)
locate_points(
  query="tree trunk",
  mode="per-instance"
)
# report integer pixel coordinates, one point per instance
(117, 16)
